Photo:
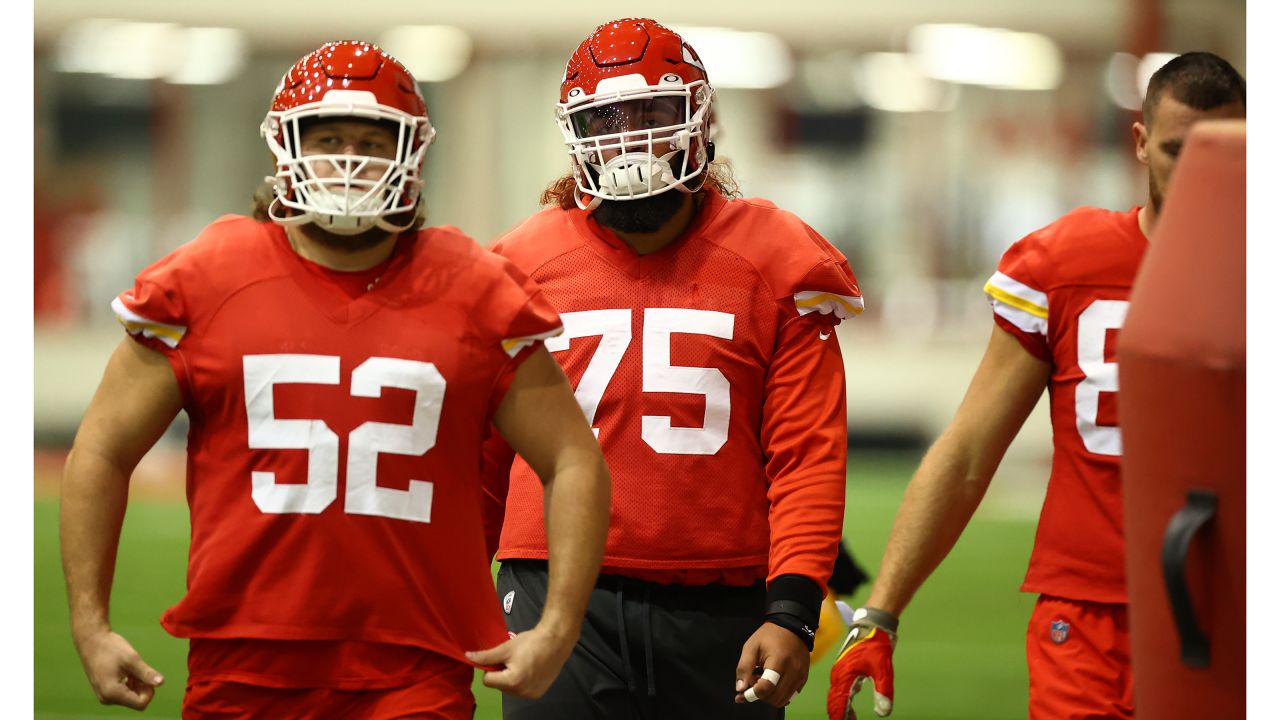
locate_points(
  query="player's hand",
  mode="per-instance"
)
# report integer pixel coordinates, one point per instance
(528, 662)
(867, 652)
(117, 672)
(783, 660)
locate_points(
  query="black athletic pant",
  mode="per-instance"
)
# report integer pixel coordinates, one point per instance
(647, 651)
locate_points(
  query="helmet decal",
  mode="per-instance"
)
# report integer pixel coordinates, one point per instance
(688, 55)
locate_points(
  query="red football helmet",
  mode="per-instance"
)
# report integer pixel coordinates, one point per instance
(635, 112)
(346, 193)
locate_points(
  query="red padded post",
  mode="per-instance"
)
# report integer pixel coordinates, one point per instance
(1182, 417)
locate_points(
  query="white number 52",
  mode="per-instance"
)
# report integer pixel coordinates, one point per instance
(364, 497)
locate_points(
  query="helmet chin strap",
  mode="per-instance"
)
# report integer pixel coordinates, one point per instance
(589, 205)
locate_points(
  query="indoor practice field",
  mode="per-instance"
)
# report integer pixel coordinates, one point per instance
(960, 655)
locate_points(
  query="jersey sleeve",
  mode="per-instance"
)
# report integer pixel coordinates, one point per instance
(523, 320)
(1019, 300)
(828, 292)
(804, 429)
(155, 312)
(804, 435)
(534, 320)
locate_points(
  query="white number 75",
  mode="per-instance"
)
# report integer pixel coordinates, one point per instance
(658, 374)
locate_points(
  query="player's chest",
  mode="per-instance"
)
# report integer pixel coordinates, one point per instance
(673, 344)
(305, 361)
(1085, 322)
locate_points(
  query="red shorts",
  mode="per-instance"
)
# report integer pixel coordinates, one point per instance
(1078, 659)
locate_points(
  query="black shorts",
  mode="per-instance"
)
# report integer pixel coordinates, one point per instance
(647, 651)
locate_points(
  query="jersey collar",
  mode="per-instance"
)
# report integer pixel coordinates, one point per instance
(619, 254)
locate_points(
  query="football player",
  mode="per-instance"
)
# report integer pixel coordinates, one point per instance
(700, 336)
(1060, 296)
(340, 365)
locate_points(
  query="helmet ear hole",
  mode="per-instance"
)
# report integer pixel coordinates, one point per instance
(711, 151)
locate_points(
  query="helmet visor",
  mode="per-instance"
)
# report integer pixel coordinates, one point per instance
(642, 115)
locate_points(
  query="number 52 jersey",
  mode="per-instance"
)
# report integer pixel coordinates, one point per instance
(335, 440)
(1063, 292)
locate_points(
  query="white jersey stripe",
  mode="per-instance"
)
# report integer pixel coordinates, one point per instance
(1021, 319)
(515, 345)
(135, 324)
(843, 306)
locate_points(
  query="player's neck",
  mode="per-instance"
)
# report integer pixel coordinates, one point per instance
(341, 258)
(647, 243)
(1147, 219)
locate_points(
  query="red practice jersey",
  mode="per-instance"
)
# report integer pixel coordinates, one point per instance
(1063, 292)
(333, 469)
(712, 376)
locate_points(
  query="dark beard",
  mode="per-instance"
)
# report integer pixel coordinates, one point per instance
(344, 243)
(645, 215)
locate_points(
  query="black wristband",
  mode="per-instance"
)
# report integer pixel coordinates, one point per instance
(805, 594)
(795, 625)
(794, 602)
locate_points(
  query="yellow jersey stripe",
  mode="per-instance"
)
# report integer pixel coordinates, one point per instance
(513, 345)
(1012, 300)
(164, 331)
(136, 324)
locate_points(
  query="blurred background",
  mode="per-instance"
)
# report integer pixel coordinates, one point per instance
(920, 137)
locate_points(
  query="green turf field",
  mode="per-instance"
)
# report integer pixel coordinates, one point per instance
(960, 654)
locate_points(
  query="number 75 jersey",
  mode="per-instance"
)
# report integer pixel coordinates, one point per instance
(711, 374)
(1063, 292)
(335, 441)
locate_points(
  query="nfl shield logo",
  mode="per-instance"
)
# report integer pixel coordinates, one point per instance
(510, 600)
(1058, 631)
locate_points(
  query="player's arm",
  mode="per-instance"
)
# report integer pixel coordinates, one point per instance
(542, 421)
(955, 473)
(136, 400)
(804, 434)
(939, 501)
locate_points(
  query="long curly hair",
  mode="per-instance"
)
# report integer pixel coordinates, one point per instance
(719, 176)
